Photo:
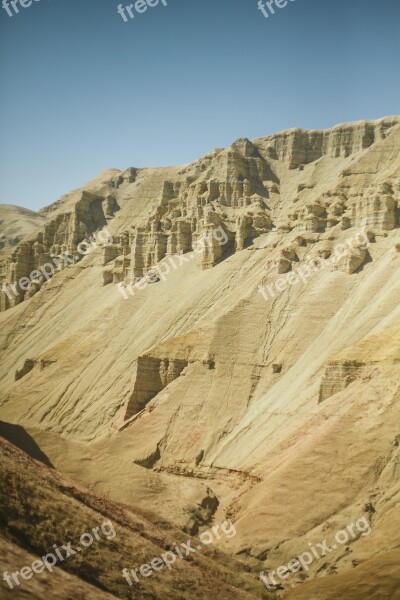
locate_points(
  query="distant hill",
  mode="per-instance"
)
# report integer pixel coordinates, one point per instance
(17, 222)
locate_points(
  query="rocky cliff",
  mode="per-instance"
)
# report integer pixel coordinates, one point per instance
(241, 191)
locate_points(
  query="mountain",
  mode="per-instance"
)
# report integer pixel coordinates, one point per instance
(16, 223)
(232, 352)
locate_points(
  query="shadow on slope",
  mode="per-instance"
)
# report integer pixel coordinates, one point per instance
(41, 509)
(18, 436)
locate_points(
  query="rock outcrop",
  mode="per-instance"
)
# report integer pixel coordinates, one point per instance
(228, 198)
(298, 147)
(61, 235)
(338, 375)
(151, 375)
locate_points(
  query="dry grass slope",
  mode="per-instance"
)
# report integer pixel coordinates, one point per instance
(40, 508)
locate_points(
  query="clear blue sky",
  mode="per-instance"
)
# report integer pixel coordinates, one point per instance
(83, 91)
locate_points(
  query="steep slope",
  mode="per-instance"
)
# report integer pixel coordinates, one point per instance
(40, 510)
(58, 584)
(375, 579)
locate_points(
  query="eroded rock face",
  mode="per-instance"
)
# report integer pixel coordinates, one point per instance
(228, 198)
(61, 235)
(338, 375)
(151, 375)
(378, 212)
(202, 225)
(299, 147)
(282, 265)
(352, 260)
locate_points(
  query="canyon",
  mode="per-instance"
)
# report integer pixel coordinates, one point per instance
(196, 399)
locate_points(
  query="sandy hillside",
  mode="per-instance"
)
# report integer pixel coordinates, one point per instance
(16, 223)
(258, 379)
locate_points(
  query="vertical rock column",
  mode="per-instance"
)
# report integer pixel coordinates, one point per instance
(212, 242)
(151, 375)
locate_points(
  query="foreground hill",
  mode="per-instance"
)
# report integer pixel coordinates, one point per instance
(40, 508)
